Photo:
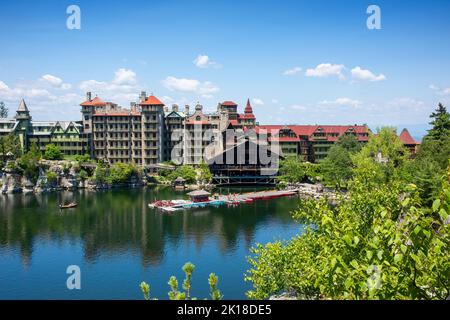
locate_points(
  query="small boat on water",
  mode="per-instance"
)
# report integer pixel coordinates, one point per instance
(68, 206)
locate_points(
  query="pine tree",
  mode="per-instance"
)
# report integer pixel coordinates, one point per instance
(3, 110)
(440, 123)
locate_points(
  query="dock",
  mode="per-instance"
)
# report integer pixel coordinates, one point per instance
(230, 200)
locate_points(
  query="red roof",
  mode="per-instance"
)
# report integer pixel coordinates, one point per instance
(246, 116)
(248, 108)
(117, 114)
(229, 104)
(406, 138)
(94, 102)
(283, 139)
(152, 101)
(234, 122)
(309, 130)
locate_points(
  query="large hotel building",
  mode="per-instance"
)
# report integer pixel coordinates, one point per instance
(148, 133)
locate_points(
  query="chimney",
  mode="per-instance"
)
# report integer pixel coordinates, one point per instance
(186, 109)
(166, 109)
(88, 96)
(175, 107)
(143, 96)
(133, 106)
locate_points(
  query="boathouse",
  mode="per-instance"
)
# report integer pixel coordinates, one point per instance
(199, 195)
(245, 163)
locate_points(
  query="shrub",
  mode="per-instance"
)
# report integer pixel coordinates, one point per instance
(52, 152)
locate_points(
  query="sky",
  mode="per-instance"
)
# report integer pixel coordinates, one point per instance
(299, 62)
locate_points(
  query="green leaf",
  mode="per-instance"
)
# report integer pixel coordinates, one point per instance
(403, 248)
(417, 229)
(398, 257)
(356, 240)
(436, 205)
(380, 254)
(443, 214)
(426, 233)
(354, 264)
(369, 254)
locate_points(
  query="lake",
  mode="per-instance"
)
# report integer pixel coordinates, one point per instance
(117, 241)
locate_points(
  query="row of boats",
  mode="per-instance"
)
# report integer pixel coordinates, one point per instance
(219, 200)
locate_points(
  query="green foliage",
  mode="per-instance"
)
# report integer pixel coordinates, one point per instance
(3, 110)
(28, 163)
(204, 173)
(9, 143)
(215, 293)
(175, 294)
(336, 168)
(83, 175)
(350, 143)
(381, 241)
(121, 172)
(101, 172)
(292, 170)
(186, 172)
(145, 288)
(440, 122)
(51, 177)
(85, 158)
(52, 152)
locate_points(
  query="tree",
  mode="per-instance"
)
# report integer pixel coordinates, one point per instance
(440, 122)
(52, 152)
(349, 142)
(377, 243)
(3, 110)
(188, 173)
(292, 170)
(336, 168)
(204, 173)
(9, 144)
(28, 163)
(120, 173)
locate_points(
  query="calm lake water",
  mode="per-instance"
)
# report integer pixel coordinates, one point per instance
(118, 241)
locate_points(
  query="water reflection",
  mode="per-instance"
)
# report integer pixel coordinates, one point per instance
(119, 221)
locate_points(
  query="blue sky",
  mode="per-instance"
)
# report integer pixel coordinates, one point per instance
(303, 62)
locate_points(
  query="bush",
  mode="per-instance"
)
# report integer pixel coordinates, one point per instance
(83, 175)
(51, 177)
(82, 158)
(52, 152)
(188, 173)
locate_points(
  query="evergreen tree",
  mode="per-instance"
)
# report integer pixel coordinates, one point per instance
(440, 123)
(3, 110)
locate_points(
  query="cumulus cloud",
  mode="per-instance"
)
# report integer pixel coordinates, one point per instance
(440, 91)
(124, 76)
(363, 74)
(55, 82)
(206, 89)
(275, 101)
(326, 70)
(293, 71)
(341, 102)
(257, 102)
(203, 62)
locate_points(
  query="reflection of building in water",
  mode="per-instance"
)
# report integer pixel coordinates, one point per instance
(109, 223)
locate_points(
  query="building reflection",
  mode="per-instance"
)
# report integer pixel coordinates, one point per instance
(119, 221)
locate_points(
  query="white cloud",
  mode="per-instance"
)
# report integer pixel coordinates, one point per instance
(403, 103)
(341, 102)
(257, 102)
(205, 89)
(440, 91)
(275, 101)
(298, 107)
(54, 81)
(326, 70)
(203, 61)
(293, 71)
(364, 74)
(124, 76)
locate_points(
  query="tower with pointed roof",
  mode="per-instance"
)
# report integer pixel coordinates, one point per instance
(23, 119)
